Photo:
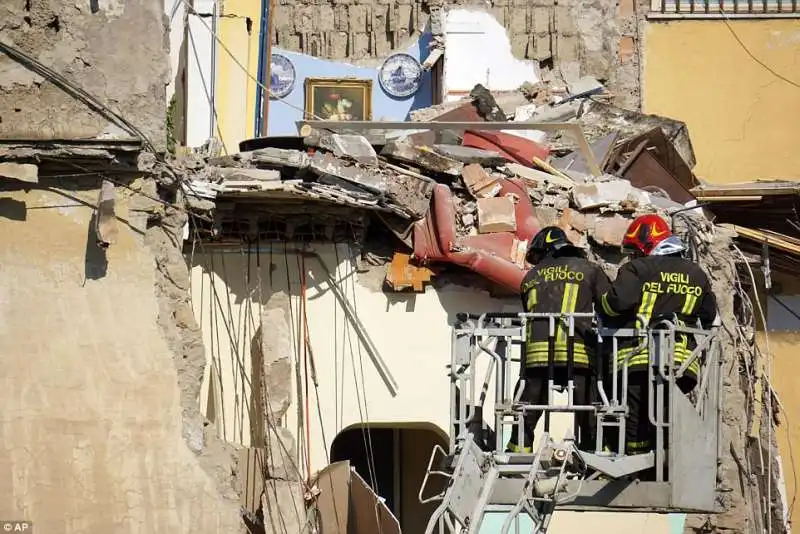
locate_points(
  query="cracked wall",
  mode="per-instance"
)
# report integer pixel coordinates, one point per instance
(113, 49)
(102, 361)
(569, 38)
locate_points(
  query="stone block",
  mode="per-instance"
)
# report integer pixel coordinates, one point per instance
(468, 155)
(239, 174)
(541, 18)
(288, 40)
(404, 150)
(543, 48)
(626, 8)
(281, 461)
(479, 183)
(567, 48)
(283, 18)
(304, 19)
(359, 45)
(519, 45)
(325, 19)
(565, 21)
(358, 18)
(405, 16)
(496, 215)
(627, 49)
(609, 230)
(341, 20)
(572, 219)
(276, 352)
(517, 21)
(546, 215)
(337, 45)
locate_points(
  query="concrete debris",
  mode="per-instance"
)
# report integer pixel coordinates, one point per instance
(276, 158)
(24, 172)
(106, 229)
(450, 201)
(405, 151)
(479, 183)
(354, 147)
(496, 215)
(245, 175)
(468, 155)
(614, 192)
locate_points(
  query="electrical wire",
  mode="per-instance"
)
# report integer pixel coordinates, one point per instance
(747, 50)
(763, 318)
(75, 91)
(206, 90)
(245, 69)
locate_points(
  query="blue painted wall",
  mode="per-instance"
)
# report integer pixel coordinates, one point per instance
(282, 117)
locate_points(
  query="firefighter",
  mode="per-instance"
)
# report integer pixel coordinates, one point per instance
(561, 280)
(657, 283)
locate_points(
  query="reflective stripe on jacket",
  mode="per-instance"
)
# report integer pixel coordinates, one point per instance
(657, 287)
(561, 284)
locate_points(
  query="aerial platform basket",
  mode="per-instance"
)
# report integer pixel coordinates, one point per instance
(481, 477)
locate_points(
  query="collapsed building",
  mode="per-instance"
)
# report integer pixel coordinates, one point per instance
(103, 428)
(439, 205)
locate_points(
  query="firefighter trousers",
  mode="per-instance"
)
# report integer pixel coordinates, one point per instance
(535, 392)
(640, 435)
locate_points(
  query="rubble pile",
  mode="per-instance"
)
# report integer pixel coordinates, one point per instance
(475, 198)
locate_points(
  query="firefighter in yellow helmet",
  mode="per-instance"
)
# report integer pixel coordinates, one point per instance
(562, 280)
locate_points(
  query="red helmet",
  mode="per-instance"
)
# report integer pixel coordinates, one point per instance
(645, 233)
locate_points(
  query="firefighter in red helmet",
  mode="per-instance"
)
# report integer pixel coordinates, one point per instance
(657, 283)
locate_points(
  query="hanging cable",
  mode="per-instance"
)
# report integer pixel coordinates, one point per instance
(206, 90)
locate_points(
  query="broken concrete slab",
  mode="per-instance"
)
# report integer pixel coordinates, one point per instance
(533, 175)
(609, 230)
(608, 193)
(233, 174)
(349, 146)
(573, 219)
(585, 85)
(479, 183)
(106, 228)
(421, 156)
(276, 352)
(368, 179)
(469, 155)
(601, 149)
(279, 497)
(276, 158)
(24, 172)
(496, 215)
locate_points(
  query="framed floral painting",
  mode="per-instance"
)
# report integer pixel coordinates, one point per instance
(338, 99)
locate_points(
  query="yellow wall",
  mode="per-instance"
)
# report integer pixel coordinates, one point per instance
(743, 120)
(236, 92)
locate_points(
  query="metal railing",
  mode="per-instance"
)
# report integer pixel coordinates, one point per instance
(724, 8)
(494, 336)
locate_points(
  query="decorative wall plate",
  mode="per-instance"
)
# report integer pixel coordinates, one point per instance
(400, 75)
(282, 76)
